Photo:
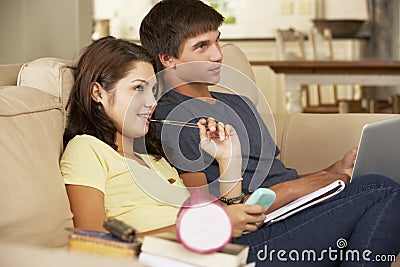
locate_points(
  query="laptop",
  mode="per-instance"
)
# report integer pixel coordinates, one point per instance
(379, 149)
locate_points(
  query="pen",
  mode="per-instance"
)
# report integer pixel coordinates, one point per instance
(179, 123)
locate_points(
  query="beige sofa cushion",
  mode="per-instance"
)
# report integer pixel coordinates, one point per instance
(33, 201)
(51, 75)
(312, 142)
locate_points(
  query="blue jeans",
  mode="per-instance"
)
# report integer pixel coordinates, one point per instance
(358, 227)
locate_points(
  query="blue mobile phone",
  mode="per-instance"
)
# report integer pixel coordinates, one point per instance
(262, 196)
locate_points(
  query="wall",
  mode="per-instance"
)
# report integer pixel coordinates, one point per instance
(261, 18)
(345, 9)
(125, 15)
(254, 18)
(59, 28)
(43, 28)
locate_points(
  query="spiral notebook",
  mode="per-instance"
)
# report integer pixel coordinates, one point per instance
(305, 202)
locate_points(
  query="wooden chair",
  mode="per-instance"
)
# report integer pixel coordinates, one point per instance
(287, 37)
(323, 40)
(382, 100)
(290, 46)
(373, 102)
(313, 97)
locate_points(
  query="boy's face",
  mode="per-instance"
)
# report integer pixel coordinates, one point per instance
(203, 47)
(200, 58)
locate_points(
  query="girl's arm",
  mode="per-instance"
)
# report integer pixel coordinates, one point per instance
(87, 205)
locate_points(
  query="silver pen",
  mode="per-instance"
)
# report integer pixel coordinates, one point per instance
(179, 123)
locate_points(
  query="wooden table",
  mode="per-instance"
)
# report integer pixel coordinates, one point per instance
(362, 72)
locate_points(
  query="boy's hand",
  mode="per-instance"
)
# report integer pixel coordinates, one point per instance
(346, 164)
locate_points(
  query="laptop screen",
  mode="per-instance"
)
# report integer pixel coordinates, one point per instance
(379, 149)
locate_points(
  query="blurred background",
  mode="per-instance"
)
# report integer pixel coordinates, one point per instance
(60, 28)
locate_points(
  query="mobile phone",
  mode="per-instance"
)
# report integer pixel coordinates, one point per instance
(262, 196)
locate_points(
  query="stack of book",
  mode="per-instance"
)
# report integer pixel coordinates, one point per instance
(100, 243)
(165, 250)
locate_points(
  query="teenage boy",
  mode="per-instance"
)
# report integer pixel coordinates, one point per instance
(184, 38)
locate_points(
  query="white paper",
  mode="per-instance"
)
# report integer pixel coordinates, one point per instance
(305, 202)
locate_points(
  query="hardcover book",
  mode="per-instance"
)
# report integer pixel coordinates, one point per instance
(167, 246)
(100, 243)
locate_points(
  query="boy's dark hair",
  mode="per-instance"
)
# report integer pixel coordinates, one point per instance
(170, 22)
(105, 61)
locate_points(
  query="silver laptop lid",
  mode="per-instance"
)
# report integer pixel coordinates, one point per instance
(379, 149)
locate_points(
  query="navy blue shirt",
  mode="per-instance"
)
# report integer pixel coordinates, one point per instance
(260, 167)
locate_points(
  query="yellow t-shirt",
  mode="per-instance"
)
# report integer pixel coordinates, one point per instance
(137, 195)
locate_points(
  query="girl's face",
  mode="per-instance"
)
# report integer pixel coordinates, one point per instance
(133, 101)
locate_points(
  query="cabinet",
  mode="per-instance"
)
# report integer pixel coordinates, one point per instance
(271, 84)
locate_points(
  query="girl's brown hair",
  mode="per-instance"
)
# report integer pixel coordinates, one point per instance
(105, 61)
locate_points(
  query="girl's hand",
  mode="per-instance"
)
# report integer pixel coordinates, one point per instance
(244, 217)
(219, 140)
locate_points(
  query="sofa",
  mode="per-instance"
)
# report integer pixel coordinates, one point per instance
(33, 202)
